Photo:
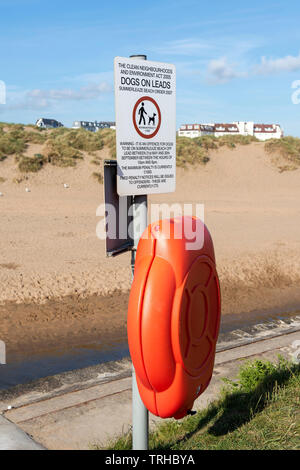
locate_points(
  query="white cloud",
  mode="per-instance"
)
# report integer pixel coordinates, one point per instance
(91, 91)
(183, 47)
(220, 71)
(288, 63)
(206, 47)
(95, 77)
(2, 92)
(43, 99)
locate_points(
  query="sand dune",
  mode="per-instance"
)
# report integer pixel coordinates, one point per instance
(49, 249)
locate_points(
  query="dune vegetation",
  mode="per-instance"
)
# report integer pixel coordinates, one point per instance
(196, 151)
(61, 147)
(64, 147)
(288, 148)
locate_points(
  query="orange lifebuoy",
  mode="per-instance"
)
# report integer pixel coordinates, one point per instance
(174, 315)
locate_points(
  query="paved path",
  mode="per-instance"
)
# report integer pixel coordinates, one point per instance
(95, 413)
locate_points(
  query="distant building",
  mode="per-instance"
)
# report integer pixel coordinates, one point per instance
(196, 130)
(260, 131)
(48, 123)
(225, 129)
(267, 131)
(93, 126)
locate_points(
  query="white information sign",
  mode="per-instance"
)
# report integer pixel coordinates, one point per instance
(145, 98)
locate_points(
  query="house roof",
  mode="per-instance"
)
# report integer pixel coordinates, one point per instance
(95, 123)
(49, 122)
(207, 127)
(268, 128)
(196, 127)
(226, 127)
(229, 127)
(189, 127)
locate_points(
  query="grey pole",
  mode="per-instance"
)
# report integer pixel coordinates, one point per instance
(140, 415)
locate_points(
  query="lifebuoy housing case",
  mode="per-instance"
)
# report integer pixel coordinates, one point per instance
(174, 315)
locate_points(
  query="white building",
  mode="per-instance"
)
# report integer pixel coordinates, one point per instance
(226, 129)
(260, 131)
(93, 126)
(48, 123)
(196, 130)
(267, 131)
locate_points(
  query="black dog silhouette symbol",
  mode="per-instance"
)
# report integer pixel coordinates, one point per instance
(152, 119)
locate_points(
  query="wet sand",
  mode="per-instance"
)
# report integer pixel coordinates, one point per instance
(58, 288)
(33, 328)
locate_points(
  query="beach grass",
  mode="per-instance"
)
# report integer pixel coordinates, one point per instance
(12, 142)
(189, 152)
(109, 140)
(61, 147)
(257, 411)
(196, 151)
(98, 177)
(64, 147)
(288, 148)
(31, 164)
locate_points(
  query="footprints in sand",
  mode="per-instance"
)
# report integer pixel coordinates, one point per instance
(12, 266)
(65, 234)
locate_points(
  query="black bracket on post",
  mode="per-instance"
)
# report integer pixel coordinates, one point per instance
(118, 207)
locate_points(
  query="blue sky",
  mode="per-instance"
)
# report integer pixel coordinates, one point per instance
(235, 60)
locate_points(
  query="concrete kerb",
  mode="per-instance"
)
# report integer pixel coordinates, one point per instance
(101, 412)
(13, 438)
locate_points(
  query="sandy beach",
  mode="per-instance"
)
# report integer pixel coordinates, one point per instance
(57, 285)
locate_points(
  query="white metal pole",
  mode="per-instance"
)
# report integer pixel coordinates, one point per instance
(140, 419)
(140, 414)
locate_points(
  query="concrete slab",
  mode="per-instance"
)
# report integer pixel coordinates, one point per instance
(13, 438)
(97, 414)
(73, 399)
(64, 383)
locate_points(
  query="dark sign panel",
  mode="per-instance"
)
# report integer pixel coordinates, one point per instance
(117, 210)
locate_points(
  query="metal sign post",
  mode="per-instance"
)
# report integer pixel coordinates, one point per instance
(137, 207)
(140, 414)
(145, 99)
